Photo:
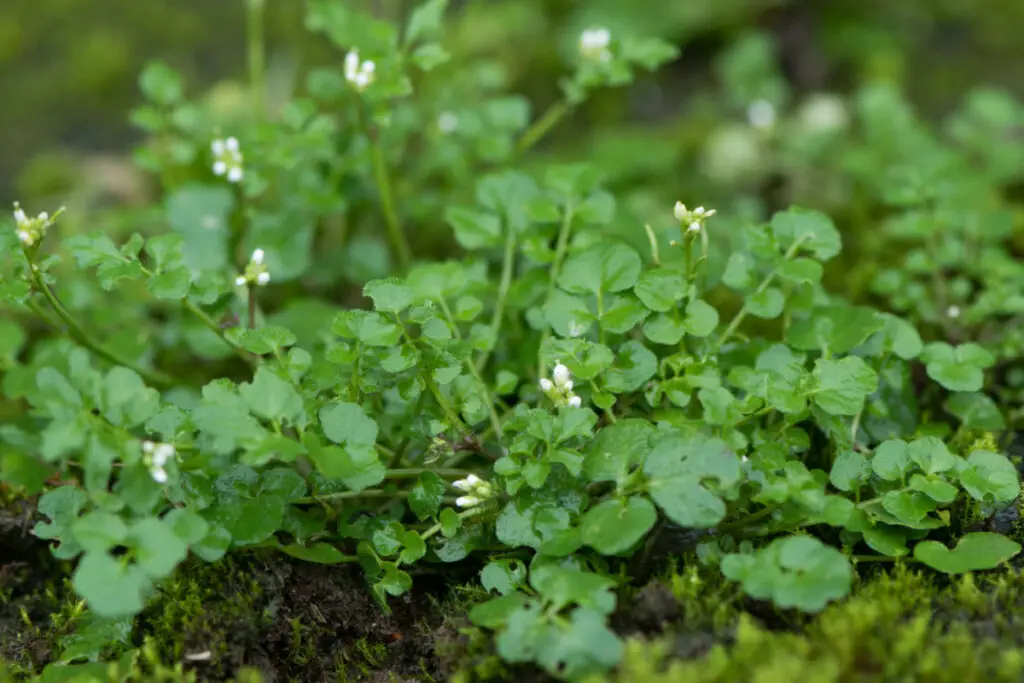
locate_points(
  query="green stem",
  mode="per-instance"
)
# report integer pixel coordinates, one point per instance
(413, 472)
(209, 322)
(507, 266)
(432, 531)
(744, 310)
(561, 246)
(154, 377)
(542, 126)
(257, 56)
(748, 520)
(399, 246)
(353, 495)
(492, 412)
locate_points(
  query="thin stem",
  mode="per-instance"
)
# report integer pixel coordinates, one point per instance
(655, 252)
(77, 333)
(542, 126)
(561, 246)
(492, 411)
(201, 315)
(399, 246)
(252, 307)
(257, 56)
(744, 310)
(507, 266)
(748, 520)
(413, 472)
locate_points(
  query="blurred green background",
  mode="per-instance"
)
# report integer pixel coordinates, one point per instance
(68, 68)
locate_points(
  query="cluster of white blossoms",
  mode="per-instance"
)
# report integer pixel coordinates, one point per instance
(156, 455)
(559, 387)
(359, 73)
(31, 230)
(477, 491)
(594, 44)
(693, 220)
(256, 272)
(227, 159)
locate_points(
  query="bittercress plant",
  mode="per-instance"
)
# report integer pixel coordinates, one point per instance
(546, 403)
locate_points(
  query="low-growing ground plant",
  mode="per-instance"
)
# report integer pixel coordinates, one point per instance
(358, 328)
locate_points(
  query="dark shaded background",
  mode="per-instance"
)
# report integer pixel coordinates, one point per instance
(68, 68)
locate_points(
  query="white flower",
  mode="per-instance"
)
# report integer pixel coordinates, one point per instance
(575, 402)
(31, 230)
(162, 453)
(468, 484)
(19, 217)
(744, 458)
(148, 446)
(694, 227)
(447, 122)
(680, 211)
(263, 278)
(546, 385)
(567, 385)
(560, 374)
(467, 501)
(227, 159)
(26, 237)
(159, 475)
(240, 280)
(953, 311)
(257, 256)
(256, 272)
(359, 74)
(761, 114)
(594, 43)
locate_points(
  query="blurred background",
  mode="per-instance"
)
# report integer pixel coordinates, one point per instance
(68, 68)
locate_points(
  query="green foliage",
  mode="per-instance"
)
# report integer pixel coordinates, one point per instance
(288, 368)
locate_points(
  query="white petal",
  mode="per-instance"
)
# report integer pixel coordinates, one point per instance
(235, 174)
(474, 480)
(263, 278)
(240, 280)
(368, 68)
(25, 237)
(159, 475)
(351, 65)
(231, 144)
(148, 446)
(220, 168)
(575, 402)
(44, 216)
(217, 147)
(257, 256)
(680, 211)
(462, 484)
(546, 384)
(467, 501)
(560, 374)
(694, 227)
(20, 217)
(567, 385)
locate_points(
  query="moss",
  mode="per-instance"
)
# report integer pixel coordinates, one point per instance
(898, 626)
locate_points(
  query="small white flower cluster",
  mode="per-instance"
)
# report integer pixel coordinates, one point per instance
(953, 312)
(559, 388)
(694, 220)
(31, 230)
(359, 74)
(478, 490)
(447, 122)
(761, 114)
(255, 272)
(156, 455)
(227, 159)
(594, 44)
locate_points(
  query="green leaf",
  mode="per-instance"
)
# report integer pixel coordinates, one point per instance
(320, 553)
(796, 571)
(112, 587)
(496, 611)
(990, 476)
(976, 411)
(957, 369)
(98, 532)
(617, 449)
(616, 525)
(503, 576)
(160, 83)
(843, 385)
(973, 552)
(474, 229)
(347, 424)
(634, 365)
(837, 329)
(661, 289)
(601, 269)
(425, 20)
(126, 401)
(814, 231)
(891, 460)
(426, 495)
(766, 304)
(158, 550)
(678, 471)
(850, 471)
(273, 398)
(910, 507)
(388, 296)
(931, 455)
(186, 525)
(701, 318)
